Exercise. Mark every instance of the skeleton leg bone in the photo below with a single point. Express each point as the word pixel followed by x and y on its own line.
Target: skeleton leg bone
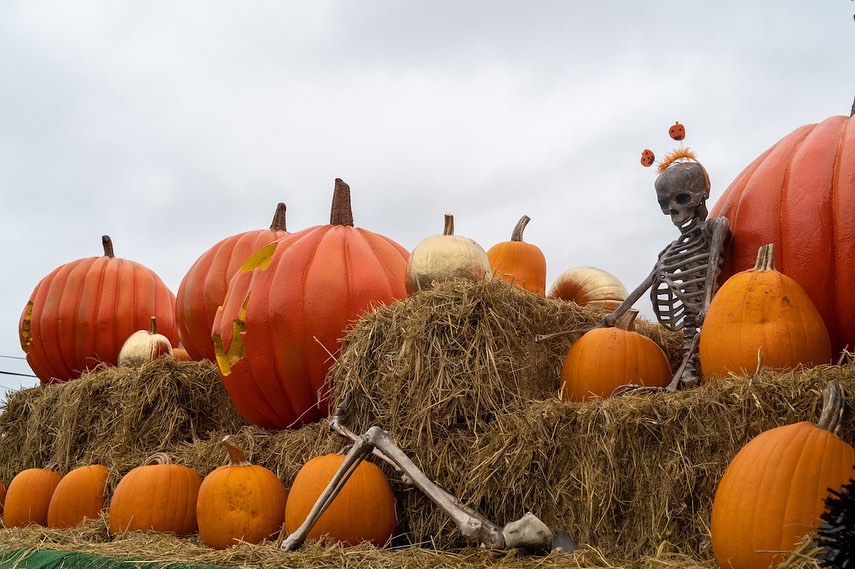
pixel 528 532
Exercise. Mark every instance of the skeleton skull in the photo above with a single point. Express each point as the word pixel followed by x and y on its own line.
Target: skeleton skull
pixel 682 190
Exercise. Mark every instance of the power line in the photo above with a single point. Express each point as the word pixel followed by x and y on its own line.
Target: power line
pixel 16 373
pixel 13 357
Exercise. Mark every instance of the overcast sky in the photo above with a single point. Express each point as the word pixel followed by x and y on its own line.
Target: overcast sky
pixel 170 125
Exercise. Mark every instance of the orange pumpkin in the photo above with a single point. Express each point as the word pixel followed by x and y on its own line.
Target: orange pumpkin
pixel 647 157
pixel 606 359
pixel 518 262
pixel 770 314
pixel 79 495
pixel 157 496
pixel 181 354
pixel 240 501
pixel 203 288
pixel 800 195
pixel 773 491
pixel 589 286
pixel 28 497
pixel 677 131
pixel 289 305
pixel 364 510
pixel 144 346
pixel 82 312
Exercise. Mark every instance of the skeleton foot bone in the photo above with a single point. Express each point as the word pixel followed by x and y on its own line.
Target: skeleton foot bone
pixel 528 532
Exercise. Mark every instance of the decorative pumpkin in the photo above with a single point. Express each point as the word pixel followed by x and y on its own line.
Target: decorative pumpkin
pixel 28 497
pixel 589 286
pixel 144 346
pixel 769 313
pixel 82 312
pixel 677 131
pixel 364 510
pixel 180 354
pixel 157 496
pixel 240 501
pixel 289 305
pixel 606 359
pixel 773 491
pixel 79 495
pixel 519 263
pixel 446 256
pixel 203 288
pixel 800 195
pixel 647 158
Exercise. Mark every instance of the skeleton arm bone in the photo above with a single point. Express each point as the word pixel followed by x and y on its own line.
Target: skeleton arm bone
pixel 631 299
pixel 719 235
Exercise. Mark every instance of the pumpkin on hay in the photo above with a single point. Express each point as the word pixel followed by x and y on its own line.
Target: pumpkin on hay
pixel 519 263
pixel 446 256
pixel 364 509
pixel 773 491
pixel 144 346
pixel 240 501
pixel 288 306
pixel 606 359
pixel 761 313
pixel 800 195
pixel 589 286
pixel 156 496
pixel 79 495
pixel 204 286
pixel 82 312
pixel 28 497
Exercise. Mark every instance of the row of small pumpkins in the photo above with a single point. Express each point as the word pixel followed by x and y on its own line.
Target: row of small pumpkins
pixel 235 502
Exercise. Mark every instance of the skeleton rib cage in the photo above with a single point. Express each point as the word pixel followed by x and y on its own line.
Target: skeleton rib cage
pixel 679 280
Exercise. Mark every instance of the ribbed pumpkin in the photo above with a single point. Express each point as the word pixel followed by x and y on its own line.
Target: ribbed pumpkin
pixel 773 491
pixel 79 495
pixel 446 256
pixel 605 359
pixel 157 496
pixel 519 263
pixel 589 286
pixel 144 346
pixel 761 310
pixel 800 195
pixel 289 305
pixel 82 312
pixel 364 510
pixel 204 286
pixel 28 497
pixel 240 501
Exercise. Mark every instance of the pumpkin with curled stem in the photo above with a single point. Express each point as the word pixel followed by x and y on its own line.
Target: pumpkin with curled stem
pixel 519 263
pixel 589 286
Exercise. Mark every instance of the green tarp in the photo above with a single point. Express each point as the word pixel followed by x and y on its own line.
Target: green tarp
pixel 53 559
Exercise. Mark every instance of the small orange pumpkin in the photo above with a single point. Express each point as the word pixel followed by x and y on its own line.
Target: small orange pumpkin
pixel 240 501
pixel 180 354
pixel 518 262
pixel 79 495
pixel 364 510
pixel 157 496
pixel 605 359
pixel 28 497
pixel 769 313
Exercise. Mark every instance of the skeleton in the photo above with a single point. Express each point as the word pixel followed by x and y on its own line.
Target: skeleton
pixel 528 532
pixel 684 279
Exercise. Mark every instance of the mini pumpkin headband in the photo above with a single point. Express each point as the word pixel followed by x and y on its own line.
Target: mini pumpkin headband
pixel 678 133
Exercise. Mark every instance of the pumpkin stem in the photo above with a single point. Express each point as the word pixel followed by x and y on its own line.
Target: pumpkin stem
pixel 236 455
pixel 627 320
pixel 278 223
pixel 341 213
pixel 832 407
pixel 158 458
pixel 448 229
pixel 108 246
pixel 152 326
pixel 517 234
pixel 765 258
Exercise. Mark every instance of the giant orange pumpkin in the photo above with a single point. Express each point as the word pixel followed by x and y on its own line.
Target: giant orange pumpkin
pixel 79 495
pixel 774 489
pixel 520 263
pixel 800 195
pixel 287 308
pixel 82 312
pixel 28 497
pixel 203 288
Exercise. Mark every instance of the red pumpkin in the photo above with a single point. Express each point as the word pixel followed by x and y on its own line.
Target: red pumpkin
pixel 204 286
pixel 287 308
pixel 800 195
pixel 82 312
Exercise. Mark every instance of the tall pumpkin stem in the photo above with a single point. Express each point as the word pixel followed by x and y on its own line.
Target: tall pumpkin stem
pixel 108 246
pixel 278 223
pixel 517 234
pixel 236 455
pixel 448 228
pixel 341 212
pixel 152 326
pixel 832 407
pixel 765 258
pixel 627 320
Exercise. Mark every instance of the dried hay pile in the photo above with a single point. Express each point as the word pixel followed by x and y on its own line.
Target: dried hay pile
pixel 456 378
